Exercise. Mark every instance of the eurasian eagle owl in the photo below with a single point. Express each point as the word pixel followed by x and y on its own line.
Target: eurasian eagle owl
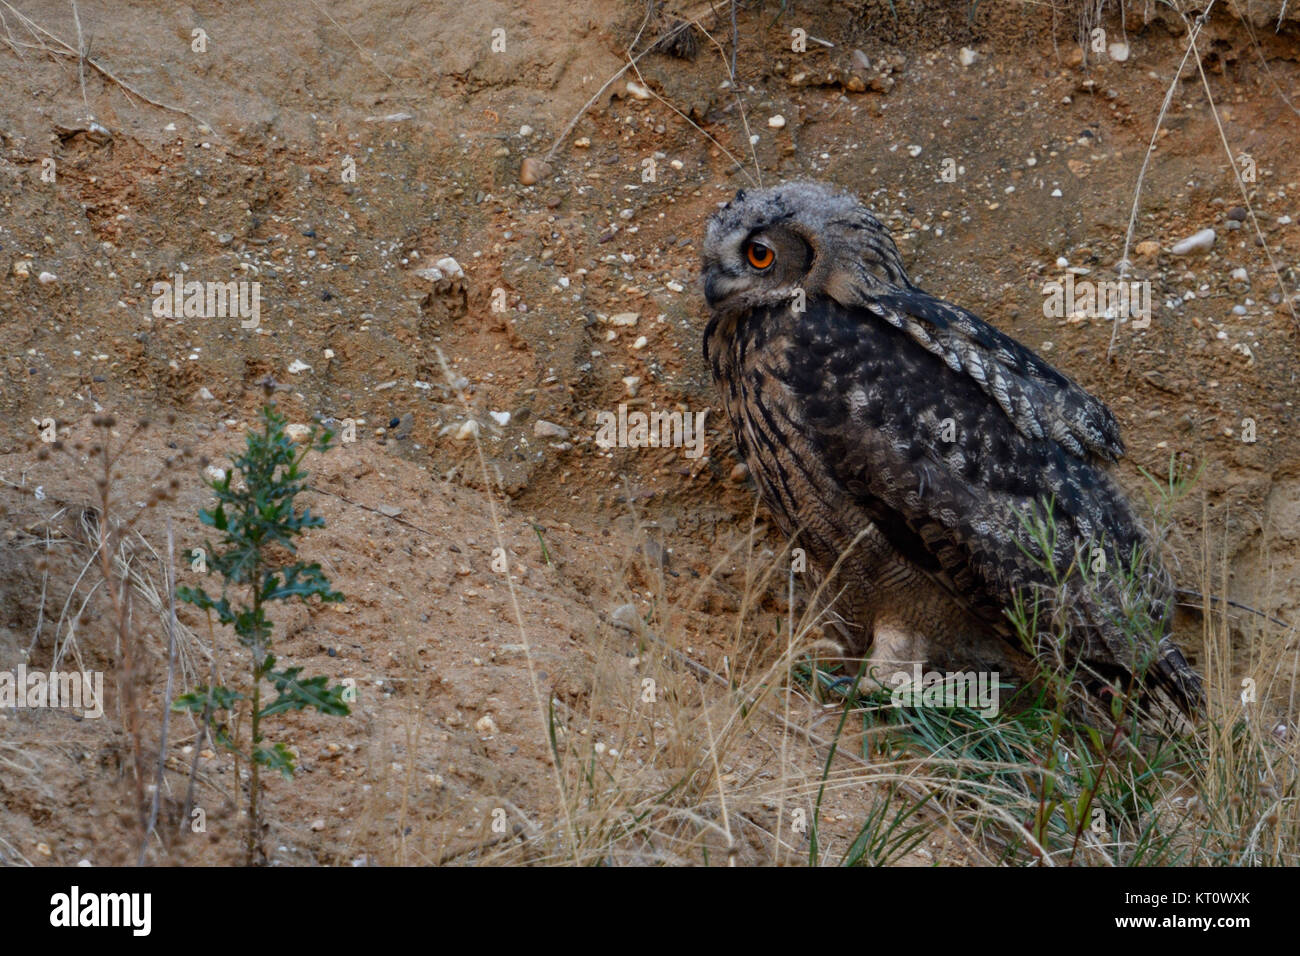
pixel 935 470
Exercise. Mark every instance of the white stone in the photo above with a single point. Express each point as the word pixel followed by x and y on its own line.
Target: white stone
pixel 1196 242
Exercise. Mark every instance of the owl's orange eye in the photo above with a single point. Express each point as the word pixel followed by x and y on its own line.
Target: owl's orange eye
pixel 759 255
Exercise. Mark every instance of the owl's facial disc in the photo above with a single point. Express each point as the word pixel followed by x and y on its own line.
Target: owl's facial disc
pixel 754 265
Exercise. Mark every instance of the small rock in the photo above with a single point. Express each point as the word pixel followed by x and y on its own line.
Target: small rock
pixel 389 511
pixel 640 343
pixel 637 91
pixel 533 171
pixel 632 383
pixel 486 725
pixel 626 618
pixel 298 365
pixel 47 278
pixel 623 319
pixel 967 56
pixel 1147 249
pixel 544 429
pixel 22 268
pixel 213 473
pixel 318 824
pixel 1237 214
pixel 501 418
pixel 1118 51
pixel 776 122
pixel 203 395
pixel 297 432
pixel 450 268
pixel 1197 242
pixel 1240 275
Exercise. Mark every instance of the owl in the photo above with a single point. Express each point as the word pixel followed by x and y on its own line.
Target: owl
pixel 939 476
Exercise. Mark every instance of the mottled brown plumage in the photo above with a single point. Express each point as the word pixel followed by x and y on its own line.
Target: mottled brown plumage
pixel 920 447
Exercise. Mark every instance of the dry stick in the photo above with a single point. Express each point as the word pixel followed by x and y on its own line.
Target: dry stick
pixel 170 577
pixel 203 735
pixel 586 106
pixel 81 57
pixel 1146 161
pixel 360 50
pixel 1254 221
pixel 632 65
pixel 67 50
pixel 717 776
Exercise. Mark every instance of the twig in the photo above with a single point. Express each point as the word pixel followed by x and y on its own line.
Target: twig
pixel 170 577
pixel 67 50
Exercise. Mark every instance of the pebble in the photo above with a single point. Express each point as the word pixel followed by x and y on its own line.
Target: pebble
pixel 204 395
pixel 640 343
pixel 1240 275
pixel 626 618
pixel 533 171
pixel 1147 248
pixel 623 319
pixel 298 365
pixel 467 430
pixel 389 511
pixel 450 268
pixel 776 122
pixel 637 91
pixel 213 473
pixel 967 56
pixel 501 418
pixel 46 278
pixel 1196 242
pixel 486 725
pixel 1237 214
pixel 1118 51
pixel 914 151
pixel 632 383
pixel 296 431
pixel 544 429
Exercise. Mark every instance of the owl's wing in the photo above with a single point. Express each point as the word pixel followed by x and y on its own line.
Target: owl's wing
pixel 955 448
pixel 1039 400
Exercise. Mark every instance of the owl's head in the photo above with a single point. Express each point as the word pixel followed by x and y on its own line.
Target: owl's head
pixel 766 244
